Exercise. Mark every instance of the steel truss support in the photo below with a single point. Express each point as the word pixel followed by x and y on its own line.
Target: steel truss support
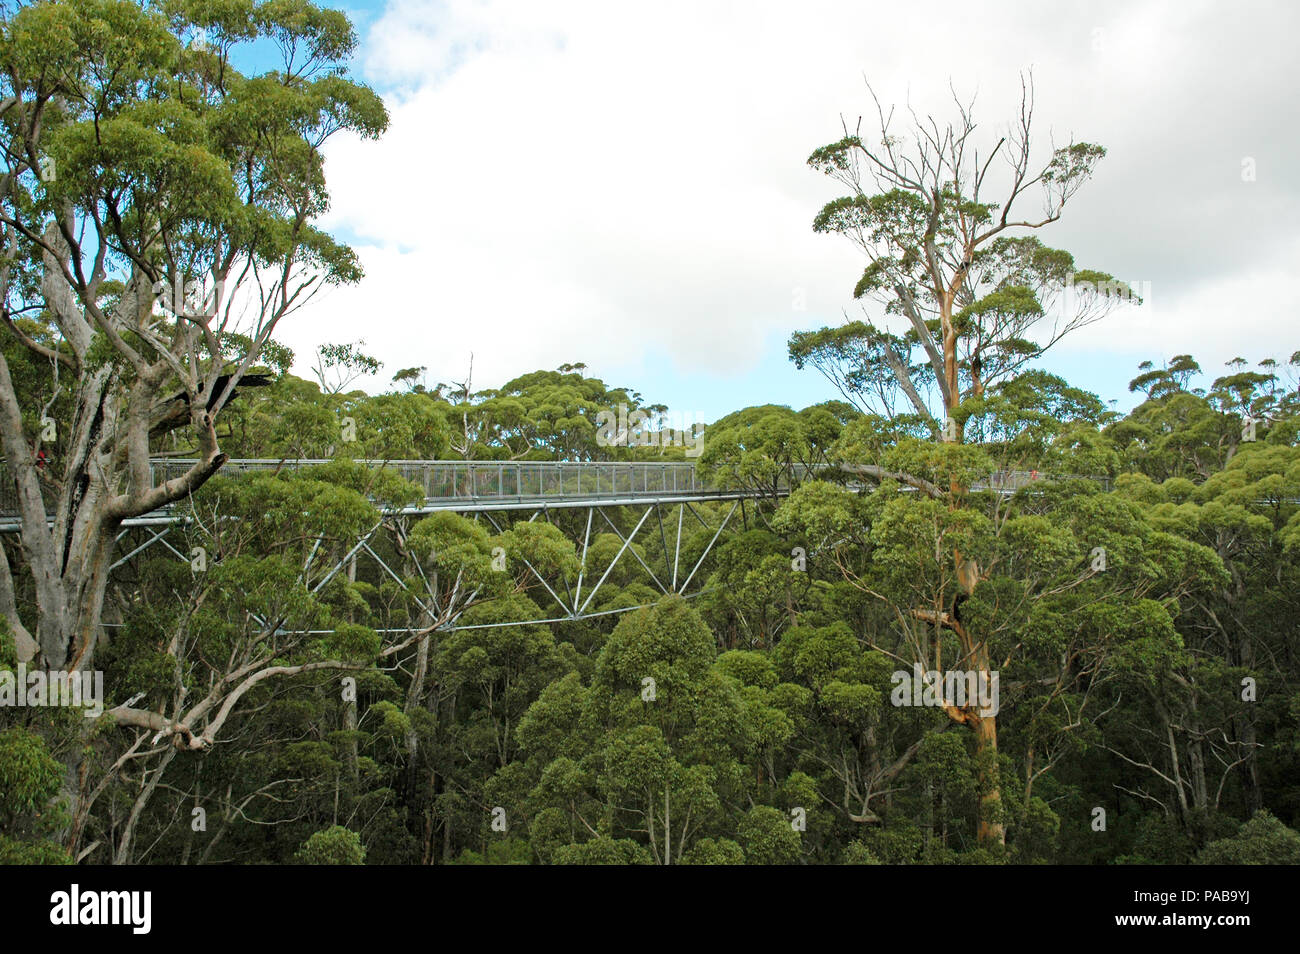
pixel 144 546
pixel 575 599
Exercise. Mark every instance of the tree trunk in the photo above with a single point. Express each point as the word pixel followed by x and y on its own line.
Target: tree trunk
pixel 991 828
pixel 350 750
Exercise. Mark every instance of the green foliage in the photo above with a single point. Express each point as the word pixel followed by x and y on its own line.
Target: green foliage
pixel 768 837
pixel 333 846
pixel 29 777
pixel 1261 841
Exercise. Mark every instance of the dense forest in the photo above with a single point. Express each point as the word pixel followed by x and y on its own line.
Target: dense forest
pixel 1121 690
pixel 273 692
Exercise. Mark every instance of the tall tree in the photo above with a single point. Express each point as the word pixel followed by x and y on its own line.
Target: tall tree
pixel 970 285
pixel 157 208
pixel 952 261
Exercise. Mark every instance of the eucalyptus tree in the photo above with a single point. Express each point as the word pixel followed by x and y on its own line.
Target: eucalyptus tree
pixel 770 448
pixel 648 754
pixel 338 365
pixel 157 207
pixel 545 415
pixel 952 258
pixel 1186 431
pixel 1195 747
pixel 950 252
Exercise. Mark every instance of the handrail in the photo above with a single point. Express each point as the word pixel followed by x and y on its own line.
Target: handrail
pixel 458 480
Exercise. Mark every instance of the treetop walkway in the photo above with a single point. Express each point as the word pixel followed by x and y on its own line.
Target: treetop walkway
pixel 477 486
pixel 483 489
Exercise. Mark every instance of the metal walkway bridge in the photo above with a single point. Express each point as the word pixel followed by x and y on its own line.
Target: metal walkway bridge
pixel 480 486
pixel 617 497
pixel 499 492
pixel 475 486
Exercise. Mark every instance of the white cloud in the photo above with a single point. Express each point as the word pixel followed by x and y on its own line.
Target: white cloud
pixel 625 185
pixel 1216 320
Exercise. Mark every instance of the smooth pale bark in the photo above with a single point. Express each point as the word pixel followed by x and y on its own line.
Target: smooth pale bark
pixel 122 855
pixel 983 726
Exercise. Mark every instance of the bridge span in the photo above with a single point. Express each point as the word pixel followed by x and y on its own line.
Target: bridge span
pixel 499 492
pixel 478 486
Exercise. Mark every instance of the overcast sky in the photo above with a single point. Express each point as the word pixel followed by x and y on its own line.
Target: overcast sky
pixel 624 184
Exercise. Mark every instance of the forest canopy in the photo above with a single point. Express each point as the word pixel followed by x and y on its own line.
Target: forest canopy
pixel 964 611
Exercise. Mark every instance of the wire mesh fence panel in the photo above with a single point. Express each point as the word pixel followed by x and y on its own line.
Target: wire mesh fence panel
pixel 8 494
pixel 458 480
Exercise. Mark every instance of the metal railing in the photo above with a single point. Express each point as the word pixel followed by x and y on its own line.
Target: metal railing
pixel 475 479
pixel 460 480
pixel 1006 481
